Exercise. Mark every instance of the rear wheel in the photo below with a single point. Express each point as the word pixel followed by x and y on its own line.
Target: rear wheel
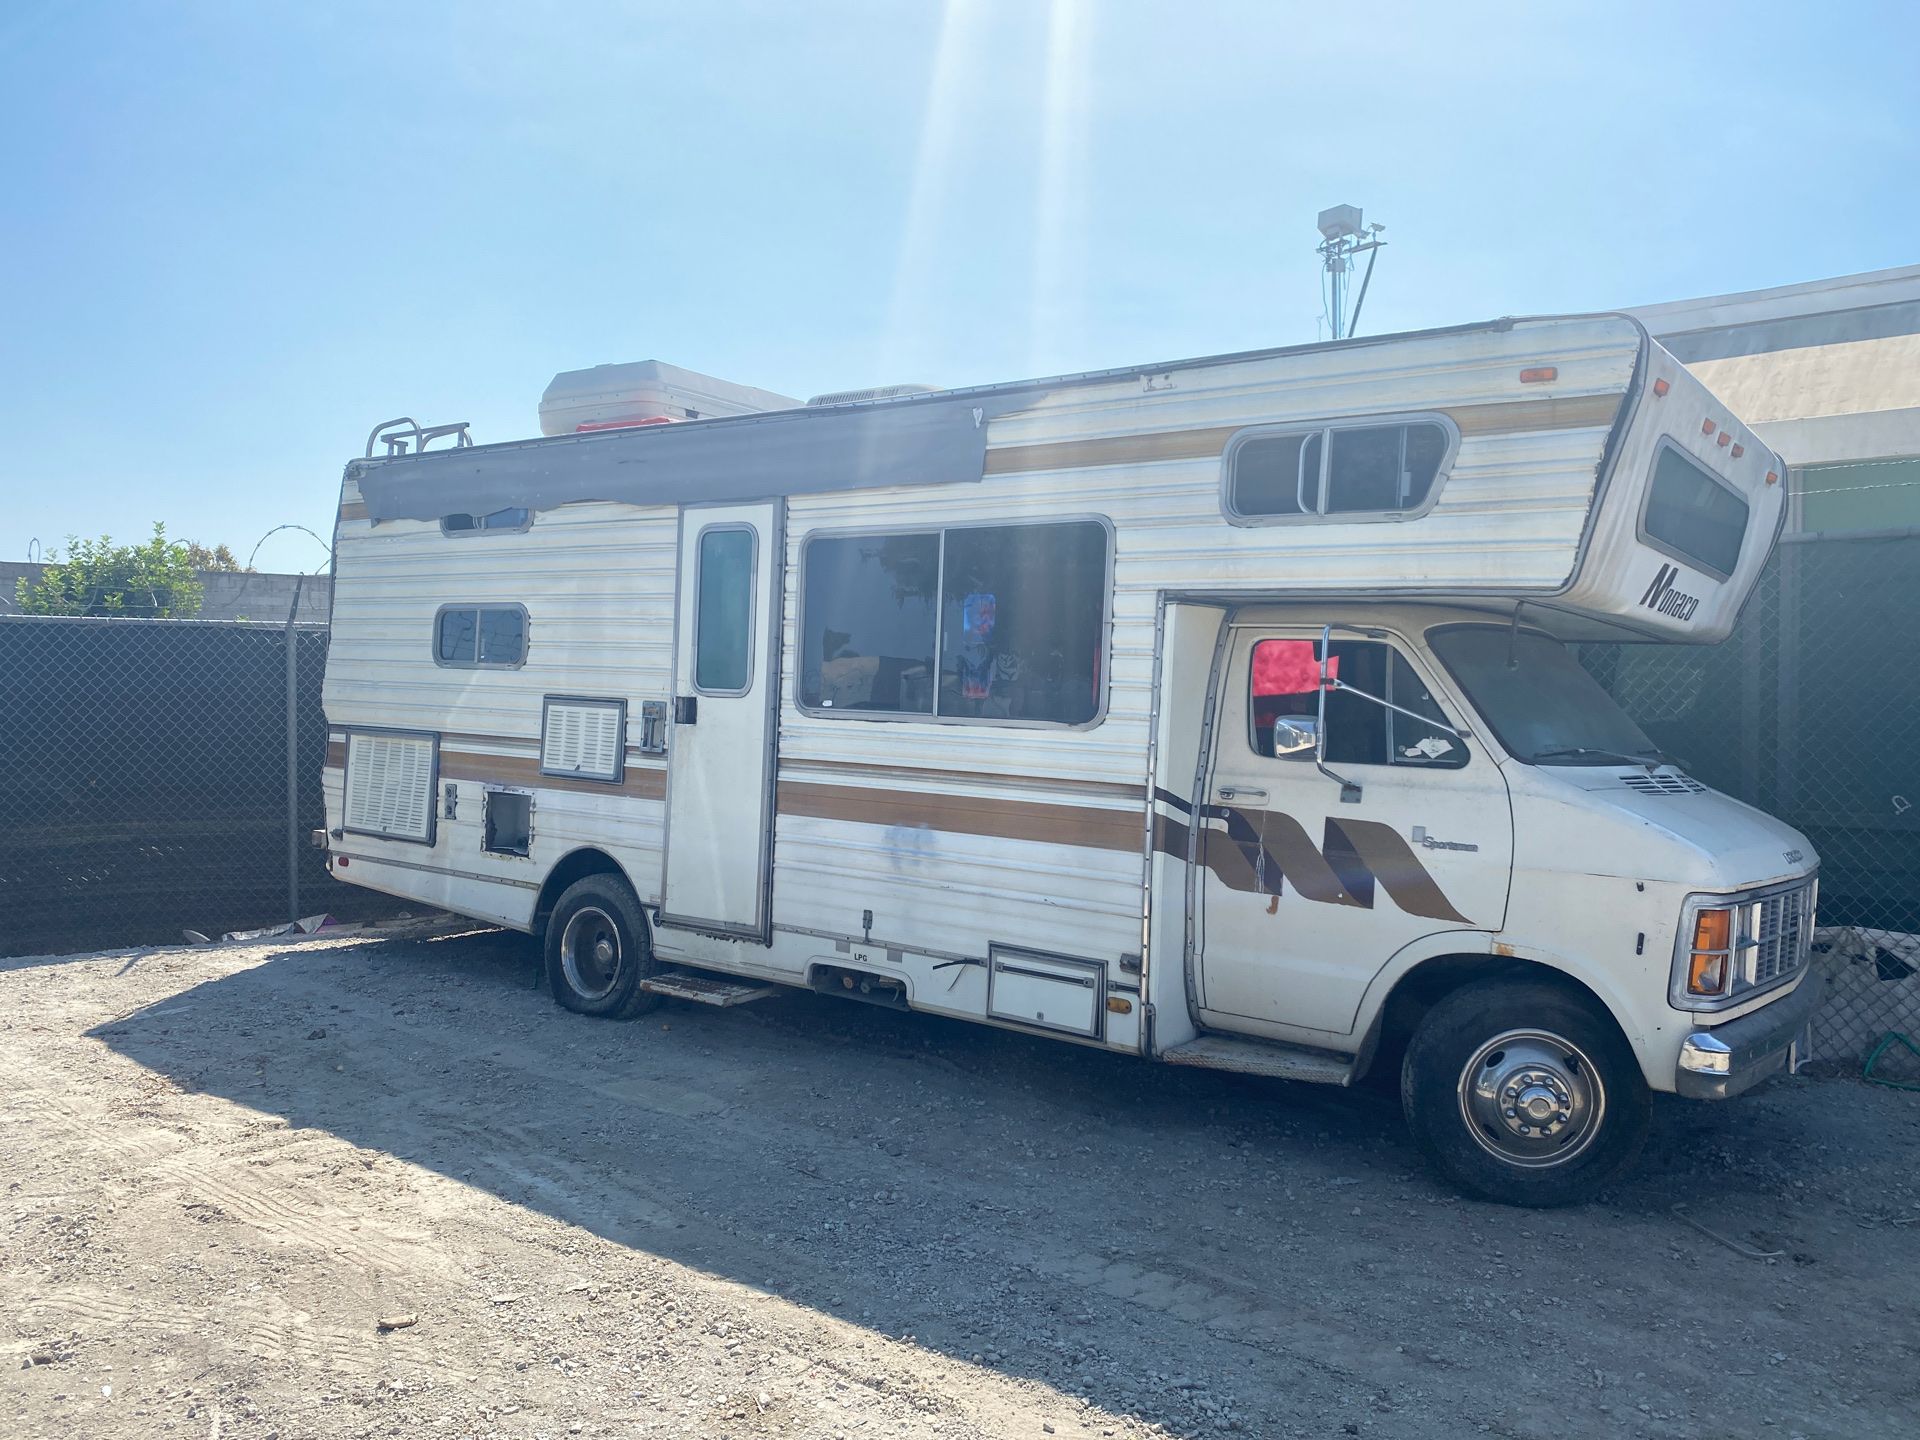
pixel 1524 1092
pixel 599 949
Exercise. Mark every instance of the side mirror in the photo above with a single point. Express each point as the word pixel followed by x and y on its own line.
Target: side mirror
pixel 1296 735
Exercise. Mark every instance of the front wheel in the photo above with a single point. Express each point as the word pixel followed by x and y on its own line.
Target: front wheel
pixel 599 950
pixel 1524 1093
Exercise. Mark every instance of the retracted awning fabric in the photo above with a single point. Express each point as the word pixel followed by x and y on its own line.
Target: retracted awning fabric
pixel 932 441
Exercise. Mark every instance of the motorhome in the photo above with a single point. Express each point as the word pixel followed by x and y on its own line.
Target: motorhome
pixel 1218 712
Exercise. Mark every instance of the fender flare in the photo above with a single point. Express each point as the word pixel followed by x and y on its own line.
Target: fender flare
pixel 1604 987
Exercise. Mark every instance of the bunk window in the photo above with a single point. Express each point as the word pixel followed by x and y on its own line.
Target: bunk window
pixel 1692 515
pixel 480 636
pixel 723 613
pixel 513 518
pixel 1343 470
pixel 974 623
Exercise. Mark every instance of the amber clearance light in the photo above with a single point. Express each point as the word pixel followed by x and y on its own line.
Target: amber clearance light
pixel 1712 946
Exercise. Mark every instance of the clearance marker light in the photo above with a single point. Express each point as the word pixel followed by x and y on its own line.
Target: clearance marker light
pixel 1660 387
pixel 1707 427
pixel 1772 479
pixel 1726 437
pixel 1539 374
pixel 1738 451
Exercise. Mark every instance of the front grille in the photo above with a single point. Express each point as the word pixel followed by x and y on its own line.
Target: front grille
pixel 1675 784
pixel 1781 927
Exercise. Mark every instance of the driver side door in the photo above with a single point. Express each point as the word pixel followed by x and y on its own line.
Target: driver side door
pixel 1309 886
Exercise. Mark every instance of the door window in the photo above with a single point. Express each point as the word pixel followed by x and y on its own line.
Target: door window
pixel 1283 706
pixel 723 614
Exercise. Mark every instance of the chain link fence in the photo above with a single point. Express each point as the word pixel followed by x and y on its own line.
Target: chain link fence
pixel 160 776
pixel 1811 712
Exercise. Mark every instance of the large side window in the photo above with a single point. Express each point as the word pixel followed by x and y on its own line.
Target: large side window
pixel 989 622
pixel 1022 610
pixel 1283 706
pixel 867 623
pixel 723 614
pixel 1693 515
pixel 1344 469
pixel 485 636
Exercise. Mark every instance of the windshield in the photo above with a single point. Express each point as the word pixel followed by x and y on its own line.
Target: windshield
pixel 1541 705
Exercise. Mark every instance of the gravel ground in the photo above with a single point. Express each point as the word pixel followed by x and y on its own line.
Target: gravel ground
pixel 224 1167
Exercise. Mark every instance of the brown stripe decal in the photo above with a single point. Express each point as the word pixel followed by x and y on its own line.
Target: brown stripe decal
pixel 1043 823
pixel 523 772
pixel 1503 417
pixel 1111 450
pixel 1380 849
pixel 1260 852
pixel 353 510
pixel 1507 417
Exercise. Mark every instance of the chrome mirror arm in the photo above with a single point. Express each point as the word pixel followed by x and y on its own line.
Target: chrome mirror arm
pixel 1349 792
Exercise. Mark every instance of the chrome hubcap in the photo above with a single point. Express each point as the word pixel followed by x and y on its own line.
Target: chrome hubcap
pixel 590 953
pixel 1532 1098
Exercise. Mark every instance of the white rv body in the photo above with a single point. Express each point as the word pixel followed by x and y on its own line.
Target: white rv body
pixel 1053 876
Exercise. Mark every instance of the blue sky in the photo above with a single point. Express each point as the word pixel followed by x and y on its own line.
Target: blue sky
pixel 236 234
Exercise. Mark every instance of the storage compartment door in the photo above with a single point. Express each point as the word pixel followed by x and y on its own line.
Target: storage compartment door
pixel 1048 991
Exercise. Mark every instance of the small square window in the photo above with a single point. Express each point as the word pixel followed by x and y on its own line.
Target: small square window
pixel 491 636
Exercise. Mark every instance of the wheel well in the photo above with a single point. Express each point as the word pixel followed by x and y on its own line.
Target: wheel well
pixel 576 865
pixel 1427 983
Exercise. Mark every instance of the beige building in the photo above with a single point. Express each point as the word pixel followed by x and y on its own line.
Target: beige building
pixel 1828 373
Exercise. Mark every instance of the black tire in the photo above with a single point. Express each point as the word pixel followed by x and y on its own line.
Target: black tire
pixel 599 950
pixel 1524 1092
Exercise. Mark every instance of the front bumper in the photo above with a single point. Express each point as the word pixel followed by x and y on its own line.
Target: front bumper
pixel 1720 1063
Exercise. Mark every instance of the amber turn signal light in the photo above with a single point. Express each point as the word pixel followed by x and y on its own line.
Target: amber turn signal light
pixel 1712 945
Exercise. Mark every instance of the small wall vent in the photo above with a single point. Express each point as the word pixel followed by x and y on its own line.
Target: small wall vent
pixel 583 739
pixel 389 785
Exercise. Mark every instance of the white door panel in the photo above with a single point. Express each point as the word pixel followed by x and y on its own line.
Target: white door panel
pixel 1304 895
pixel 721 749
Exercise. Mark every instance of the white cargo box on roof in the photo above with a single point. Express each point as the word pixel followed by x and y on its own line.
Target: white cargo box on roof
pixel 609 396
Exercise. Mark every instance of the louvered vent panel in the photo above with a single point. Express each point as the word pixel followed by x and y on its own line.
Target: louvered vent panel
pixel 1663 784
pixel 582 738
pixel 390 785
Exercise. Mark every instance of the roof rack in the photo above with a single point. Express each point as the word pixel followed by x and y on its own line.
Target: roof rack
pixel 398 434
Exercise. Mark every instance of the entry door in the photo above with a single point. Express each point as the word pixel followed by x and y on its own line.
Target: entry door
pixel 1304 895
pixel 720 756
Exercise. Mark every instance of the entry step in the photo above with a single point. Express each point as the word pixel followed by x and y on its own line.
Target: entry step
pixel 706 989
pixel 1262 1057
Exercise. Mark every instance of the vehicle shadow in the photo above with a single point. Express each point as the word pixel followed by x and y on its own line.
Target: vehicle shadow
pixel 1184 1247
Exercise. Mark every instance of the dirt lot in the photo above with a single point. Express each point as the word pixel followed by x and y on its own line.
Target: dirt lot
pixel 805 1218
